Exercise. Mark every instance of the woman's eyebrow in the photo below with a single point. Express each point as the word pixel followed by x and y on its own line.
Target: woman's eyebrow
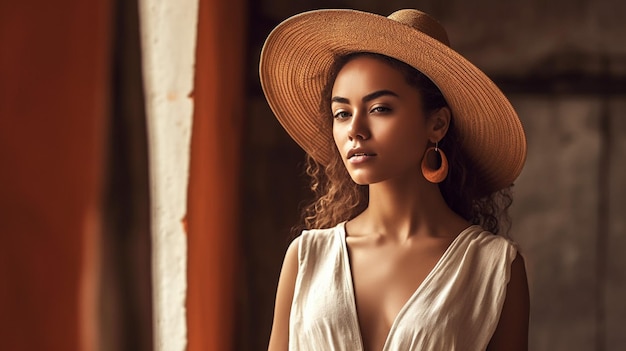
pixel 377 94
pixel 366 98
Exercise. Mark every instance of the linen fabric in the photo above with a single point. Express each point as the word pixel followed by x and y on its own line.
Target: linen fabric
pixel 457 306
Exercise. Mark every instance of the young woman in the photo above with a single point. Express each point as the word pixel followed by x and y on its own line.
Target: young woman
pixel 412 151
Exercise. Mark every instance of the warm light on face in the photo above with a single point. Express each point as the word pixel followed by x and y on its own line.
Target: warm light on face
pixel 379 126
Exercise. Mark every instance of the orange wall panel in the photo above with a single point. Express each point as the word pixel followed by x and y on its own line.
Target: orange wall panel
pixel 213 185
pixel 53 96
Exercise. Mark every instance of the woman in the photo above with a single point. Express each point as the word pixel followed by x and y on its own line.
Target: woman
pixel 412 151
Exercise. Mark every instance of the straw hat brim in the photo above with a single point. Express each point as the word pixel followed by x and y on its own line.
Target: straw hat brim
pixel 295 66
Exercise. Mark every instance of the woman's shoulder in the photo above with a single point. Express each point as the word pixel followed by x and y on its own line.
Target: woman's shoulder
pixel 486 246
pixel 479 235
pixel 321 239
pixel 323 233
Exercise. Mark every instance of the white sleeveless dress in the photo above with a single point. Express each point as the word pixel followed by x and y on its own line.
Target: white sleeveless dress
pixel 457 306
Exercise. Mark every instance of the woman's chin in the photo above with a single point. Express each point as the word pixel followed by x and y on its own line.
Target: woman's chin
pixel 361 179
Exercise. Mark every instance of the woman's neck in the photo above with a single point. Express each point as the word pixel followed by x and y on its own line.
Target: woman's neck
pixel 407 209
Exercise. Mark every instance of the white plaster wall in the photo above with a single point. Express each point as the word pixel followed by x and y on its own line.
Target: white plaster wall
pixel 168 34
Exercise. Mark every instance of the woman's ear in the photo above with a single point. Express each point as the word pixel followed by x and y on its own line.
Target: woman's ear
pixel 438 123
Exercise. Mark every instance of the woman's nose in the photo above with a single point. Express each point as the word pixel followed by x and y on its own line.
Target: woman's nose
pixel 358 128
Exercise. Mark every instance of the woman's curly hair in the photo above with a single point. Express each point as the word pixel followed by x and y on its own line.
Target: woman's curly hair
pixel 338 198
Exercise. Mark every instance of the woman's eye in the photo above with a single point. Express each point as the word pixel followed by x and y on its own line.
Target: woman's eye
pixel 341 114
pixel 380 109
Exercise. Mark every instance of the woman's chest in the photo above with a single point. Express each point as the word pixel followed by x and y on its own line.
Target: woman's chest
pixel 384 281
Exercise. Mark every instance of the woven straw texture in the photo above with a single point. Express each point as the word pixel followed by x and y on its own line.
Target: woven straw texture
pixel 298 53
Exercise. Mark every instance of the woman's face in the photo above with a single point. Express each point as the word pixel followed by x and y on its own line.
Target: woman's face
pixel 379 125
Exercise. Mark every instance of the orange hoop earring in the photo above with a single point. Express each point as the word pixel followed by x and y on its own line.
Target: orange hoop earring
pixel 435 175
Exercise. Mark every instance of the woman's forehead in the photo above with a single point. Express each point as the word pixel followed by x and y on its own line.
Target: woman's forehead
pixel 365 73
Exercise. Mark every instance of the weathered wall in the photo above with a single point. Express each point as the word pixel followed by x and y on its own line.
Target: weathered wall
pixel 563 65
pixel 168 46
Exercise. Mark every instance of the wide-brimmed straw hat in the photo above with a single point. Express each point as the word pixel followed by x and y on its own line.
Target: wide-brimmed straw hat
pixel 298 55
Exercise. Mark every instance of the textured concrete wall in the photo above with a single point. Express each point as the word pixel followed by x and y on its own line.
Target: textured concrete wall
pixel 563 64
pixel 555 218
pixel 614 260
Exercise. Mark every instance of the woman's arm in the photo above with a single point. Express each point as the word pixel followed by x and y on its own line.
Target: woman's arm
pixel 512 331
pixel 279 339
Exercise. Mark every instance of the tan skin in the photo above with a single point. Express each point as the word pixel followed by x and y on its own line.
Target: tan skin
pixel 407 226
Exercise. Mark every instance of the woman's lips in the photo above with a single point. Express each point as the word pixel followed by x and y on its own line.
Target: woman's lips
pixel 360 157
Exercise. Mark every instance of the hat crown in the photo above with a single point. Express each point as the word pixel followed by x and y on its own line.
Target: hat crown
pixel 422 22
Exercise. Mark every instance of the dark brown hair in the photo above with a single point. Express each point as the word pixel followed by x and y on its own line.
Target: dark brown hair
pixel 338 198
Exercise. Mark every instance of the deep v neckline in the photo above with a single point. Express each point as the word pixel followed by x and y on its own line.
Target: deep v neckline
pixel 350 283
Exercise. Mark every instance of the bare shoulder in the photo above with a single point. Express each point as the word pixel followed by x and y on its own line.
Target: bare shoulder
pixel 279 338
pixel 291 256
pixel 512 331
